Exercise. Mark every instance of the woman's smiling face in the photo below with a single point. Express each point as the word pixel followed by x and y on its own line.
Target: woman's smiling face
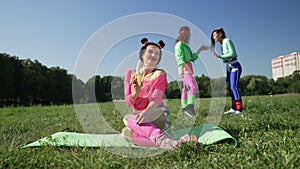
pixel 151 56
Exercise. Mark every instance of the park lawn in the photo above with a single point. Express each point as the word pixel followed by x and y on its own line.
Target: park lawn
pixel 268 137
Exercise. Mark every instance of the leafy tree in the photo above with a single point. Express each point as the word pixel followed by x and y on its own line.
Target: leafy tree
pixel 98 89
pixel 258 85
pixel 281 85
pixel 203 85
pixel 218 87
pixel 254 85
pixel 89 89
pixel 244 81
pixel 6 78
pixel 106 85
pixel 294 87
pixel 29 82
pixel 17 81
pixel 117 88
pixel 61 85
pixel 35 80
pixel 173 90
pixel 78 90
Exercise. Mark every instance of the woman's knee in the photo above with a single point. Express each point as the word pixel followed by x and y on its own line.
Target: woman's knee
pixel 193 88
pixel 233 87
pixel 126 118
pixel 127 133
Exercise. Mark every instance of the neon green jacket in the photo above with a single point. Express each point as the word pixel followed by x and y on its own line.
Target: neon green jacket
pixel 183 53
pixel 228 50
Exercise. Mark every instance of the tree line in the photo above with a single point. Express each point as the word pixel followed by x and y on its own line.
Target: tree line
pixel 27 82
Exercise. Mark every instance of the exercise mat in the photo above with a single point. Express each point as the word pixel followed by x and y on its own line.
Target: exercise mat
pixel 207 134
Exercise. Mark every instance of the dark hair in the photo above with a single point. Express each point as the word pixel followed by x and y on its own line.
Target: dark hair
pixel 160 44
pixel 219 30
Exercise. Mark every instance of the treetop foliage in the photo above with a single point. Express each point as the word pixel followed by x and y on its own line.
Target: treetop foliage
pixel 26 82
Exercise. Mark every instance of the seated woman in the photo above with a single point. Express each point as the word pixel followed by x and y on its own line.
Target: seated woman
pixel 144 90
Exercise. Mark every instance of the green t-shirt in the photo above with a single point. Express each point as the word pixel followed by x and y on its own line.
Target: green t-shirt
pixel 183 53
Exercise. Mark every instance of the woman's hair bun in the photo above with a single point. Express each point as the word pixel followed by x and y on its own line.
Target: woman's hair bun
pixel 161 44
pixel 144 40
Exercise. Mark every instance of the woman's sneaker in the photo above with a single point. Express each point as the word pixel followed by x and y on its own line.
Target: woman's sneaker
pixel 190 138
pixel 230 111
pixel 189 110
pixel 237 113
pixel 166 143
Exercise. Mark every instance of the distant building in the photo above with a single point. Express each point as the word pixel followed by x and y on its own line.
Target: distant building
pixel 283 66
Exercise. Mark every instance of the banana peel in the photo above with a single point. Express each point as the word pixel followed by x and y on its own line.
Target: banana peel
pixel 136 77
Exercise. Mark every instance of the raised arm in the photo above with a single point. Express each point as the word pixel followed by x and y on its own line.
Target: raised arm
pixel 129 100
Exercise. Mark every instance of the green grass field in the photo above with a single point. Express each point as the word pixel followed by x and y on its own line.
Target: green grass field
pixel 268 137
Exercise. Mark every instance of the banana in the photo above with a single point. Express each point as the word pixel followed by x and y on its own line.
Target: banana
pixel 138 77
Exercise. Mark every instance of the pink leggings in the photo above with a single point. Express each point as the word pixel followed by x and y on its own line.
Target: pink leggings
pixel 190 86
pixel 145 134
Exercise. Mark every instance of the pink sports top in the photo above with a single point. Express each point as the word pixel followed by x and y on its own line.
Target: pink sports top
pixel 151 90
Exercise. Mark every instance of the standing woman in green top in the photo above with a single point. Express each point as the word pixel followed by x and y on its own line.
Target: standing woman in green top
pixel 234 68
pixel 184 57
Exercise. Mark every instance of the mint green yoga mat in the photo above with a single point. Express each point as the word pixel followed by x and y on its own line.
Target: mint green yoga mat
pixel 207 134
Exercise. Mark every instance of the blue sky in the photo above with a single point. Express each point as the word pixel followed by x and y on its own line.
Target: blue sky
pixel 56 32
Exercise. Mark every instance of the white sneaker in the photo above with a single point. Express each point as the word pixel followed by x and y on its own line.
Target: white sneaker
pixel 231 110
pixel 237 113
